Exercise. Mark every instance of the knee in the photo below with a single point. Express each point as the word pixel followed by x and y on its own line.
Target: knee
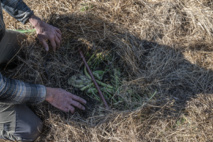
pixel 23 124
pixel 34 131
pixel 30 132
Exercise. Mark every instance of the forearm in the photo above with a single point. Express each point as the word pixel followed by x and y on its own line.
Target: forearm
pixel 18 92
pixel 18 9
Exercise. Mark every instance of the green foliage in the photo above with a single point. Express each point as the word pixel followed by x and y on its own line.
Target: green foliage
pixel 99 74
pixel 79 81
pixel 25 31
pixel 86 7
pixel 109 78
pixel 116 75
pixel 181 121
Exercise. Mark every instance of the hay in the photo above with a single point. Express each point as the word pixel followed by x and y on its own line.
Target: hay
pixel 160 46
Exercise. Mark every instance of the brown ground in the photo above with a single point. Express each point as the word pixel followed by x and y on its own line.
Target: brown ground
pixel 160 46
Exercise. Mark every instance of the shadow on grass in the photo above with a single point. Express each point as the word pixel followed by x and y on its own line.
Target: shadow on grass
pixel 146 65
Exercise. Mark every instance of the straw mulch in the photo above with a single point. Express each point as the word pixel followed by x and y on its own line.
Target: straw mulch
pixel 162 47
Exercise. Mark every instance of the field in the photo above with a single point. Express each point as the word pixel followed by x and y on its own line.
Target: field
pixel 153 56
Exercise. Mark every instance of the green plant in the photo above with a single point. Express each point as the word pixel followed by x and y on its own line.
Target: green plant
pixel 25 31
pixel 86 7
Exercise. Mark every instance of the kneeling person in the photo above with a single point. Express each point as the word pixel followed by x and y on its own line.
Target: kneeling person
pixel 17 121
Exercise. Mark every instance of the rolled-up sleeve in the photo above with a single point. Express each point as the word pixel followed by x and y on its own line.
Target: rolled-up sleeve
pixel 18 9
pixel 18 92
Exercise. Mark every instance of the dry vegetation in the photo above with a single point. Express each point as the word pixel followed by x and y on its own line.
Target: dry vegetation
pixel 159 46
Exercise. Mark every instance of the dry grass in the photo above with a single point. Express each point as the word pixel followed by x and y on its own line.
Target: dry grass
pixel 160 46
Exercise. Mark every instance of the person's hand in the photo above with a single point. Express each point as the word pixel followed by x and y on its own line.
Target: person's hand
pixel 46 32
pixel 64 100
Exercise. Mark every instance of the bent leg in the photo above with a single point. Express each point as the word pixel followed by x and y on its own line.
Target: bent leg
pixel 19 123
pixel 10 45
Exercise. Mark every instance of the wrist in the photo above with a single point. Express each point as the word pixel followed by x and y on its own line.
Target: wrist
pixel 35 21
pixel 49 94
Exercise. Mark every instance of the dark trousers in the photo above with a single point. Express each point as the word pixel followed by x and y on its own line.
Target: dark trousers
pixel 17 121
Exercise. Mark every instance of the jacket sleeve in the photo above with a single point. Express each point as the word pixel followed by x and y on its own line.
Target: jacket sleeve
pixel 17 92
pixel 18 9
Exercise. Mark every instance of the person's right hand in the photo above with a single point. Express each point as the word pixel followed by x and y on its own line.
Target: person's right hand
pixel 46 32
pixel 64 100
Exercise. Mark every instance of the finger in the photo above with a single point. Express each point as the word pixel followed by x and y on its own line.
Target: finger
pixel 59 36
pixel 45 45
pixel 71 109
pixel 59 31
pixel 57 42
pixel 65 109
pixel 52 41
pixel 79 99
pixel 77 104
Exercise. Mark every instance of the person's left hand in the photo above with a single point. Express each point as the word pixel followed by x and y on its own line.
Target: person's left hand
pixel 46 32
